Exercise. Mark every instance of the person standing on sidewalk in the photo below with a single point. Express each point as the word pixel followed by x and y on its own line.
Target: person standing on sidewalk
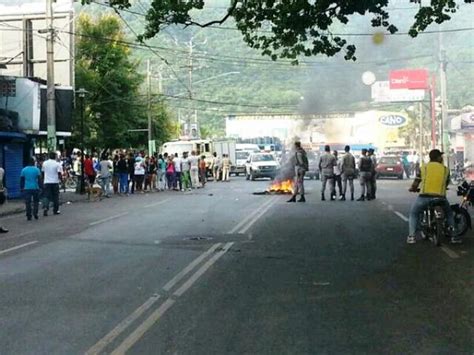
pixel 185 167
pixel 226 163
pixel 30 181
pixel 203 170
pixel 301 166
pixel 89 169
pixel 365 167
pixel 161 172
pixel 104 174
pixel 131 173
pixel 178 184
pixel 52 175
pixel 194 163
pixel 327 162
pixel 348 168
pixel 122 171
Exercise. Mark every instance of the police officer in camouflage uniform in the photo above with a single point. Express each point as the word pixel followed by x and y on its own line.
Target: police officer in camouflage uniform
pixel 300 163
pixel 327 162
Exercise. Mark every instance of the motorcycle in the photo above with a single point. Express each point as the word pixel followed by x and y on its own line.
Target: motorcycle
pixel 462 218
pixel 433 221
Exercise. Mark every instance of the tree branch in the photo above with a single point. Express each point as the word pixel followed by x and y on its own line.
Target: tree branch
pixel 215 22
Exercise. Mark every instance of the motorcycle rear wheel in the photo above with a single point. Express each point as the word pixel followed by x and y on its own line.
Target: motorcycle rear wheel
pixel 439 232
pixel 461 224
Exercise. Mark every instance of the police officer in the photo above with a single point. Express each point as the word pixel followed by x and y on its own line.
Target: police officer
pixel 365 175
pixel 300 163
pixel 373 177
pixel 348 167
pixel 327 162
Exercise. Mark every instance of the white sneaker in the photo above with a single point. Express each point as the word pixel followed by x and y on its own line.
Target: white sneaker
pixel 411 239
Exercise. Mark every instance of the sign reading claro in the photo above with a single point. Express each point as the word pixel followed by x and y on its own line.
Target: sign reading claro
pixel 392 120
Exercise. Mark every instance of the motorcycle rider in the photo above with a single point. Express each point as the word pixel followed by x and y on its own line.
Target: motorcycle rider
pixel 432 182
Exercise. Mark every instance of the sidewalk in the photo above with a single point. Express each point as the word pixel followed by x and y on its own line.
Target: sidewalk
pixel 18 205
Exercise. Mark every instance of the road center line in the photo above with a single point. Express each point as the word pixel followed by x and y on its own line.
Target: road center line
pixel 246 219
pixel 157 203
pixel 143 328
pixel 451 253
pixel 258 216
pixel 108 219
pixel 18 247
pixel 403 217
pixel 190 267
pixel 119 329
pixel 202 270
pixel 138 333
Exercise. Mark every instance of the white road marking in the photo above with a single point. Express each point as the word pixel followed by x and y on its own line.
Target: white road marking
pixel 258 216
pixel 108 219
pixel 16 236
pixel 190 267
pixel 401 216
pixel 250 216
pixel 18 247
pixel 451 253
pixel 138 333
pixel 158 203
pixel 202 270
pixel 143 328
pixel 120 328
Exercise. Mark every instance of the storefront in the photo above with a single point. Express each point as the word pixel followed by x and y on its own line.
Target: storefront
pixel 13 147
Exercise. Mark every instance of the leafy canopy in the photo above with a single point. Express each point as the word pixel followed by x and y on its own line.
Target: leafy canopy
pixel 115 103
pixel 290 28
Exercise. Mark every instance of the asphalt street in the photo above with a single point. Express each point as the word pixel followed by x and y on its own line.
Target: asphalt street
pixel 222 271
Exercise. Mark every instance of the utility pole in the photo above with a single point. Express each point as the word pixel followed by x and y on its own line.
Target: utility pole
pixel 151 149
pixel 444 97
pixel 50 92
pixel 420 109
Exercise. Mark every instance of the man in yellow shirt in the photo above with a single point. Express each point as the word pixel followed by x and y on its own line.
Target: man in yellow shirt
pixel 432 181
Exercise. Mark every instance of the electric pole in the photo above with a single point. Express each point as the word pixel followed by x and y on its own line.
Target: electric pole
pixel 151 149
pixel 50 92
pixel 444 98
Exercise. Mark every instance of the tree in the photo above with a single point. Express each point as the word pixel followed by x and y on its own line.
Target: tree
pixel 290 28
pixel 104 67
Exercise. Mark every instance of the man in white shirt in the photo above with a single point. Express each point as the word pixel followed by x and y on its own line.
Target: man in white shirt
pixel 194 162
pixel 52 175
pixel 178 184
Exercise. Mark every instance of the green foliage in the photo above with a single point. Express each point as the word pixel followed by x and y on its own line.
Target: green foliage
pixel 114 104
pixel 289 29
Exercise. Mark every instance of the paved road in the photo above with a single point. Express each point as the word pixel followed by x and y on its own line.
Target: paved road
pixel 223 271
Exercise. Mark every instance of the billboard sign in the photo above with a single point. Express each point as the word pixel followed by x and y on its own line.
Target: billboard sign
pixel 381 92
pixel 392 120
pixel 410 79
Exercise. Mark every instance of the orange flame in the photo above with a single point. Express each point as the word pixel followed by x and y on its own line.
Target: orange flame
pixel 285 186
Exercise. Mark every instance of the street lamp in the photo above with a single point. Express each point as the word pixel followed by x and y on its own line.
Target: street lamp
pixel 81 93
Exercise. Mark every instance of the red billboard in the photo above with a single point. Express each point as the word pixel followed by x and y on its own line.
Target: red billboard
pixel 409 79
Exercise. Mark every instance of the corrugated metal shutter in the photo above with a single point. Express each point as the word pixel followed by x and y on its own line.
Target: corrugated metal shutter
pixel 13 154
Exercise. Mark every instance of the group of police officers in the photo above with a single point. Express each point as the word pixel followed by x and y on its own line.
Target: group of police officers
pixel 431 181
pixel 338 172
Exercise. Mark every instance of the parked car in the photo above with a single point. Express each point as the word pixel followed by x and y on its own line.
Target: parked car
pixel 389 166
pixel 260 165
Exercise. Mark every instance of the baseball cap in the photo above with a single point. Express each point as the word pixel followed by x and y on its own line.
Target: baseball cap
pixel 435 153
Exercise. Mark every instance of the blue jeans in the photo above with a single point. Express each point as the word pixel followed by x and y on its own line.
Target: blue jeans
pixel 420 204
pixel 123 180
pixel 105 185
pixel 28 196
